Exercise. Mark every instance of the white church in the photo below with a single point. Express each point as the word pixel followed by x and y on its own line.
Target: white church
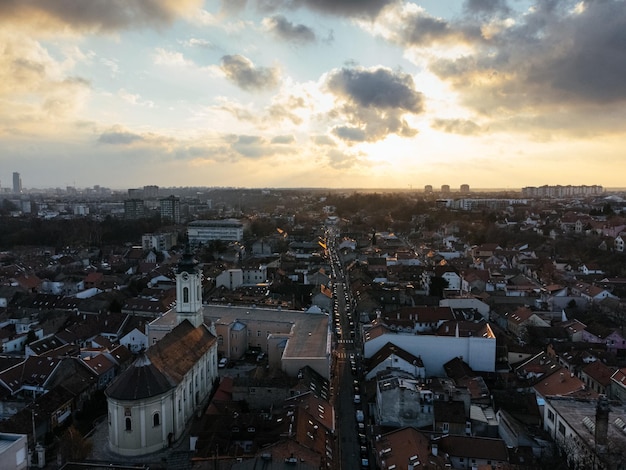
pixel 151 403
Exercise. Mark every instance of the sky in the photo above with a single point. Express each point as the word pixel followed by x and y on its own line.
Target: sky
pixel 312 93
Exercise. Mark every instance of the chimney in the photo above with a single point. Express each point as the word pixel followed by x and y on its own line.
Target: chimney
pixel 602 424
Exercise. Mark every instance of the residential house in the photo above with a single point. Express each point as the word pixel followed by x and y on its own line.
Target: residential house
pixel 597 377
pixel 451 417
pixel 522 317
pixel 402 400
pixel 612 338
pixel 561 383
pixel 101 367
pixel 323 298
pixel 31 377
pixel 473 341
pixel 135 340
pixel 591 293
pixel 394 357
pixel 617 388
pixel 451 276
pixel 406 448
pixel 474 452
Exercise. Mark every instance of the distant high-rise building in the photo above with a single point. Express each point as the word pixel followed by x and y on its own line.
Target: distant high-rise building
pixel 151 192
pixel 135 193
pixel 17 183
pixel 428 188
pixel 562 191
pixel 465 188
pixel 170 209
pixel 445 188
pixel 134 209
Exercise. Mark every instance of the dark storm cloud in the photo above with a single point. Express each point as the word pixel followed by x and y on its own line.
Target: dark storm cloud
pixel 284 29
pixel 378 88
pixel 244 74
pixel 457 126
pixel 373 102
pixel 560 53
pixel 106 15
pixel 355 8
pixel 119 137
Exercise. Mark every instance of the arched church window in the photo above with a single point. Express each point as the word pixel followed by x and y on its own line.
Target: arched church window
pixel 129 424
pixel 156 419
pixel 185 294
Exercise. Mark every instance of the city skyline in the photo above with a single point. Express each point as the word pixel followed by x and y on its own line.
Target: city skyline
pixel 303 93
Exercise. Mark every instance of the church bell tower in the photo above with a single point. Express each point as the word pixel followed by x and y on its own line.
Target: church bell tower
pixel 189 291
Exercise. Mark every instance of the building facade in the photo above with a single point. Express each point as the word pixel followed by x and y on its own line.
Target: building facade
pixel 200 232
pixel 17 183
pixel 134 209
pixel 170 209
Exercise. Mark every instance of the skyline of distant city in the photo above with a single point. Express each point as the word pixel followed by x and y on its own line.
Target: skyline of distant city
pixel 427 188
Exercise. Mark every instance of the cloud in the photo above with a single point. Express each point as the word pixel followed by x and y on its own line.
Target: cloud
pixel 409 25
pixel 283 139
pixel 353 134
pixel 339 160
pixel 487 7
pixel 254 147
pixel 198 42
pixel 353 8
pixel 119 136
pixel 323 140
pixel 376 88
pixel 457 126
pixel 287 31
pixel 95 15
pixel 559 54
pixel 372 102
pixel 38 89
pixel 170 58
pixel 241 71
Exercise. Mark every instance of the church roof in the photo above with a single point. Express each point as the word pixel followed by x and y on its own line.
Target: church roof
pixel 141 380
pixel 164 365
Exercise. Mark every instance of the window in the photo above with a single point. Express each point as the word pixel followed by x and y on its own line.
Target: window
pixel 156 419
pixel 550 415
pixel 562 428
pixel 445 427
pixel 129 425
pixel 185 294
